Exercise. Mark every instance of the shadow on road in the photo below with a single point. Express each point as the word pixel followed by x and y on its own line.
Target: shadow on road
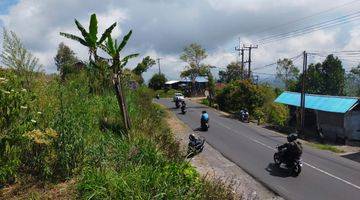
pixel 353 156
pixel 277 171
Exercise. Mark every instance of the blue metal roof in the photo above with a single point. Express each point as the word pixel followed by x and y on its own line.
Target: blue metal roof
pixel 319 102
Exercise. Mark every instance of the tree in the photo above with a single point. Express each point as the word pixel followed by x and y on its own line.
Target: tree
pixel 65 60
pixel 90 38
pixel 353 82
pixel 143 66
pixel 233 72
pixel 327 78
pixel 113 49
pixel 313 81
pixel 157 82
pixel 194 54
pixel 333 76
pixel 286 72
pixel 14 55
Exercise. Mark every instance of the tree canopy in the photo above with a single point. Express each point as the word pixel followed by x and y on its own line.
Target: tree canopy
pixel 65 60
pixel 233 72
pixel 327 78
pixel 157 82
pixel 143 66
pixel 286 72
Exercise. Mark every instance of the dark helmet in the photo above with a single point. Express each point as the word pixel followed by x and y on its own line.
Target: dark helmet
pixel 192 137
pixel 204 111
pixel 292 137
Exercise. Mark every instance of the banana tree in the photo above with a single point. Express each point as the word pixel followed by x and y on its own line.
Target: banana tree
pixel 90 38
pixel 113 48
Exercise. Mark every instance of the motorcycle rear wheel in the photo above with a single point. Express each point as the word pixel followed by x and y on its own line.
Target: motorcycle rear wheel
pixel 277 159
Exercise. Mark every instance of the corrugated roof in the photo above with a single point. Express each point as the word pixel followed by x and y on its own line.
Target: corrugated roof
pixel 199 79
pixel 171 82
pixel 319 102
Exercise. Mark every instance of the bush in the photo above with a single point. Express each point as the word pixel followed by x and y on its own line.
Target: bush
pixel 277 114
pixel 259 100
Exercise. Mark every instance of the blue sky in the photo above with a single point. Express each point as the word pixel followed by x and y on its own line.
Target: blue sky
pixel 5 5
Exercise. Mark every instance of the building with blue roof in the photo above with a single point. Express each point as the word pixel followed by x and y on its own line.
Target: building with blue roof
pixel 337 117
pixel 201 84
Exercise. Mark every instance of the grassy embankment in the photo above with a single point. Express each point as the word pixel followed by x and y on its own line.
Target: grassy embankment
pixel 57 132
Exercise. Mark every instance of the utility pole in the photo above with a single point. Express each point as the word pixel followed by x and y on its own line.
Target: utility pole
pixel 249 48
pixel 302 100
pixel 158 60
pixel 241 54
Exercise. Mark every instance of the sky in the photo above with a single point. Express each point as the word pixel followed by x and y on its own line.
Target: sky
pixel 162 28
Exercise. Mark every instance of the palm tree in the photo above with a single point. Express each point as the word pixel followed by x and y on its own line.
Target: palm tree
pixel 90 40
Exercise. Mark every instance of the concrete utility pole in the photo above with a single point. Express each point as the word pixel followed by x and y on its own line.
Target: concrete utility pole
pixel 241 54
pixel 249 48
pixel 302 100
pixel 158 60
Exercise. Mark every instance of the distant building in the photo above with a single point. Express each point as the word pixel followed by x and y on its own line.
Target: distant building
pixel 337 117
pixel 201 83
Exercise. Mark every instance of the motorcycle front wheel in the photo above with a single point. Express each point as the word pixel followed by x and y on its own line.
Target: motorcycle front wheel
pixel 296 170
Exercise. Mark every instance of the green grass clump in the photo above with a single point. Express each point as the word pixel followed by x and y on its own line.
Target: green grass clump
pixel 167 93
pixel 327 147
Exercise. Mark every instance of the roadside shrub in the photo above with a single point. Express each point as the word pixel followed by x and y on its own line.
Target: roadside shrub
pixel 258 99
pixel 277 114
pixel 238 95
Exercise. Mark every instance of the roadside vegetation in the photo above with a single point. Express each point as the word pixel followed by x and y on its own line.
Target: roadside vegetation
pixel 327 147
pixel 56 128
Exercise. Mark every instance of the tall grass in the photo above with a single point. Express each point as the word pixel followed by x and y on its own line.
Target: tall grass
pixel 80 134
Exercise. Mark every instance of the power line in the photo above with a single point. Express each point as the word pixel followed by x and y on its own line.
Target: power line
pixel 275 63
pixel 306 17
pixel 326 24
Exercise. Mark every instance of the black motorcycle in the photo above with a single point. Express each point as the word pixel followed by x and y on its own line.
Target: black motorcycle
pixel 244 116
pixel 183 109
pixel 177 104
pixel 204 124
pixel 158 96
pixel 294 165
pixel 195 146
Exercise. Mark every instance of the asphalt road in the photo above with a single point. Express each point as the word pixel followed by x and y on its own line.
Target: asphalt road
pixel 324 175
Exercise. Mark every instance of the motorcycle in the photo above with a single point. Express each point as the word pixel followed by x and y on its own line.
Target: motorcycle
pixel 195 146
pixel 177 104
pixel 183 109
pixel 158 96
pixel 204 125
pixel 294 165
pixel 244 116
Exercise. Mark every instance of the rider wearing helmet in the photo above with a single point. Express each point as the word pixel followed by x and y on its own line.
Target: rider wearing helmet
pixel 204 116
pixel 193 140
pixel 292 149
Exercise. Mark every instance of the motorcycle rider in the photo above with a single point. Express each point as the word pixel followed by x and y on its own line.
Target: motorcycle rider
pixel 291 150
pixel 183 105
pixel 193 141
pixel 204 118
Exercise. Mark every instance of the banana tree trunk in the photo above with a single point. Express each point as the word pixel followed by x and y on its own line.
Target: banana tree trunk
pixel 121 101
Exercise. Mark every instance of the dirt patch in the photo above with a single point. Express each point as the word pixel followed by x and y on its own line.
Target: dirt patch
pixel 34 190
pixel 213 164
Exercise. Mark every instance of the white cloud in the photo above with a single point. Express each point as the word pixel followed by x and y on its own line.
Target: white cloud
pixel 163 28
